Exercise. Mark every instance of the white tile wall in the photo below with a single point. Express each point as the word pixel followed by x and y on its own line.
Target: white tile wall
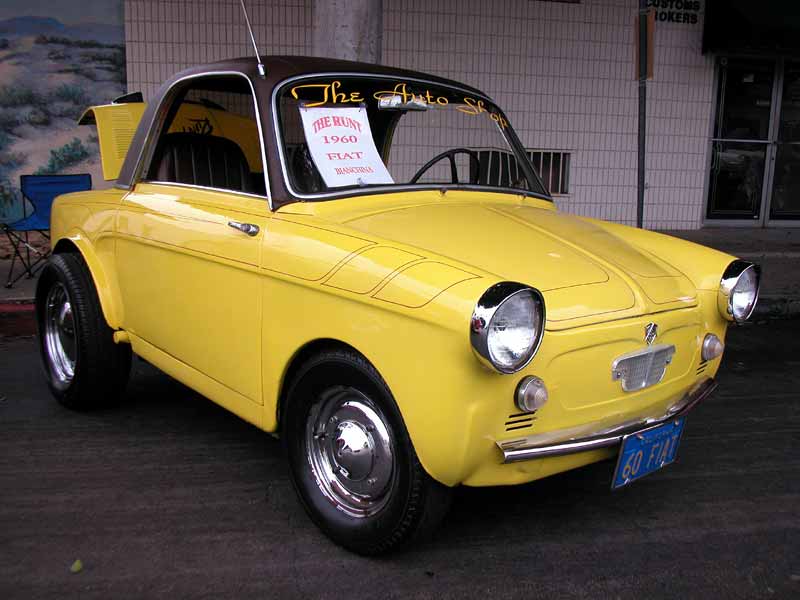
pixel 165 36
pixel 680 113
pixel 565 75
pixel 563 72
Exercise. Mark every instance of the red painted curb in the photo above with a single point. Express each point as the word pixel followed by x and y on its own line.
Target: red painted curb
pixel 17 319
pixel 17 307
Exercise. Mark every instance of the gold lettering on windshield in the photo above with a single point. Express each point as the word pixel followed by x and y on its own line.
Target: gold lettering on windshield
pixel 327 93
pixel 401 90
pixel 472 106
pixel 331 93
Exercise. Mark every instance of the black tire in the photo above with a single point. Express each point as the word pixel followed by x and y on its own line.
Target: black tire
pixel 100 368
pixel 412 503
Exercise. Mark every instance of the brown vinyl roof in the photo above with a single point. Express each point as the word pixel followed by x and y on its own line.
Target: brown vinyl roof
pixel 279 68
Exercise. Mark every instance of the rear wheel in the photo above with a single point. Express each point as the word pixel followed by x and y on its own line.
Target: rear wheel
pixel 351 459
pixel 84 367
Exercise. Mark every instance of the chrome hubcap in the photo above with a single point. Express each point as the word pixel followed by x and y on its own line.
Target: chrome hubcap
pixel 350 452
pixel 59 334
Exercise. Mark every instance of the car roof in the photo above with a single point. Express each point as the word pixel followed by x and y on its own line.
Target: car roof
pixel 278 69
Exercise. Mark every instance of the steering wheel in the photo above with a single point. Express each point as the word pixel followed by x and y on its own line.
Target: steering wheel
pixel 451 154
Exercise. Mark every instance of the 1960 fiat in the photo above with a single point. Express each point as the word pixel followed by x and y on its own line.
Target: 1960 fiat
pixel 363 261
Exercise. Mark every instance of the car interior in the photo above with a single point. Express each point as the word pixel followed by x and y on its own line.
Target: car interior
pixel 210 138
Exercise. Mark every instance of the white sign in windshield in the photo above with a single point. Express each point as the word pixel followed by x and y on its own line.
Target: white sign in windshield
pixel 341 146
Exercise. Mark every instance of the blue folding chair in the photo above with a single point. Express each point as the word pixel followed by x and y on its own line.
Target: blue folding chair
pixel 40 190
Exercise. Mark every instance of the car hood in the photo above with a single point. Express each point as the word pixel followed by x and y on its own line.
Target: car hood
pixel 582 270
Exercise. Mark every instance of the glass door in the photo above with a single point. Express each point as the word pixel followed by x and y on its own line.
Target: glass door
pixel 785 200
pixel 741 139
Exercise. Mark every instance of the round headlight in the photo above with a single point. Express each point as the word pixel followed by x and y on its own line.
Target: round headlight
pixel 507 326
pixel 738 290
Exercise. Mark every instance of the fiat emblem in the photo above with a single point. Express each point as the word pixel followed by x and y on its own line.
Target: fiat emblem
pixel 650 333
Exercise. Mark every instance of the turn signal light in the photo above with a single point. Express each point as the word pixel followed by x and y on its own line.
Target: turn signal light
pixel 712 347
pixel 531 394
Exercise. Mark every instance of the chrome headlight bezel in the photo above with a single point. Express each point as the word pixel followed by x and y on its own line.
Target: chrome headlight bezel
pixel 727 286
pixel 485 310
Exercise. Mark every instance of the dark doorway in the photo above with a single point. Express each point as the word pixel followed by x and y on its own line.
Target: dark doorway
pixel 755 147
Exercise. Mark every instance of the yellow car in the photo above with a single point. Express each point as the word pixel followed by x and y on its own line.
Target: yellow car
pixel 363 261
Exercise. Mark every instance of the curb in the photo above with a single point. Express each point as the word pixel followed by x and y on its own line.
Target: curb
pixel 17 319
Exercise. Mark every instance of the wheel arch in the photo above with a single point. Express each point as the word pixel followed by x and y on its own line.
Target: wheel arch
pixel 301 355
pixel 108 296
pixel 420 354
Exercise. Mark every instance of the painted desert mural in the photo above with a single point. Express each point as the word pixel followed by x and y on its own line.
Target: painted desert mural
pixel 51 68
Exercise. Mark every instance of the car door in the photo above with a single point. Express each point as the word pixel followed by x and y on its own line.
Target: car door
pixel 188 246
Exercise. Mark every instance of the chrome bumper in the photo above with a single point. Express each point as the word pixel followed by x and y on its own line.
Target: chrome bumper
pixel 583 439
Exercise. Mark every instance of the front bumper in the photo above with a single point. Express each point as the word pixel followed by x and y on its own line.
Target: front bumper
pixel 583 439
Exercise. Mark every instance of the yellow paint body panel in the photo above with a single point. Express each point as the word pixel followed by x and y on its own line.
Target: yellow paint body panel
pixel 201 303
pixel 365 271
pixel 396 276
pixel 308 251
pixel 420 283
pixel 86 220
pixel 116 124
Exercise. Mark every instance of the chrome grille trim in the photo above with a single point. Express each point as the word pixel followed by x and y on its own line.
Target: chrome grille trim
pixel 593 436
pixel 642 368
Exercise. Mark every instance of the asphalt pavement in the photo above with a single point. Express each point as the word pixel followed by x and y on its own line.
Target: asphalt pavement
pixel 168 495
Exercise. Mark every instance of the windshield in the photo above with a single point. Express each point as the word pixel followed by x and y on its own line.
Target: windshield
pixel 343 134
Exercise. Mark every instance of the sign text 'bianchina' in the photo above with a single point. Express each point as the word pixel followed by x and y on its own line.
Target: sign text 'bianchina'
pixel 340 142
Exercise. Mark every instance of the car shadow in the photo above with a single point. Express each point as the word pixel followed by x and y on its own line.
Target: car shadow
pixel 552 506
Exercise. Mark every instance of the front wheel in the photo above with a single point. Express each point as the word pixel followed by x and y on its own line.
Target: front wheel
pixel 351 459
pixel 84 367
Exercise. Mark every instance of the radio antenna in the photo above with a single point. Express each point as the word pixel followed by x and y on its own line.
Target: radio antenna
pixel 261 70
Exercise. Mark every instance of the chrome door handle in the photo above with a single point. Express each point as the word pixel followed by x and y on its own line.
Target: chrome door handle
pixel 250 229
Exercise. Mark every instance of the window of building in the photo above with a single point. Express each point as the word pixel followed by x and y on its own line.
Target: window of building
pixel 553 167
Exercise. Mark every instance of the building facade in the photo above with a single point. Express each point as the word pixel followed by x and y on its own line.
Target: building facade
pixel 719 121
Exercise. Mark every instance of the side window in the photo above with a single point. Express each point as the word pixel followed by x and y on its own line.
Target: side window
pixel 209 138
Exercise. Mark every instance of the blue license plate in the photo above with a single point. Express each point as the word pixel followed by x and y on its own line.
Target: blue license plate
pixel 647 451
